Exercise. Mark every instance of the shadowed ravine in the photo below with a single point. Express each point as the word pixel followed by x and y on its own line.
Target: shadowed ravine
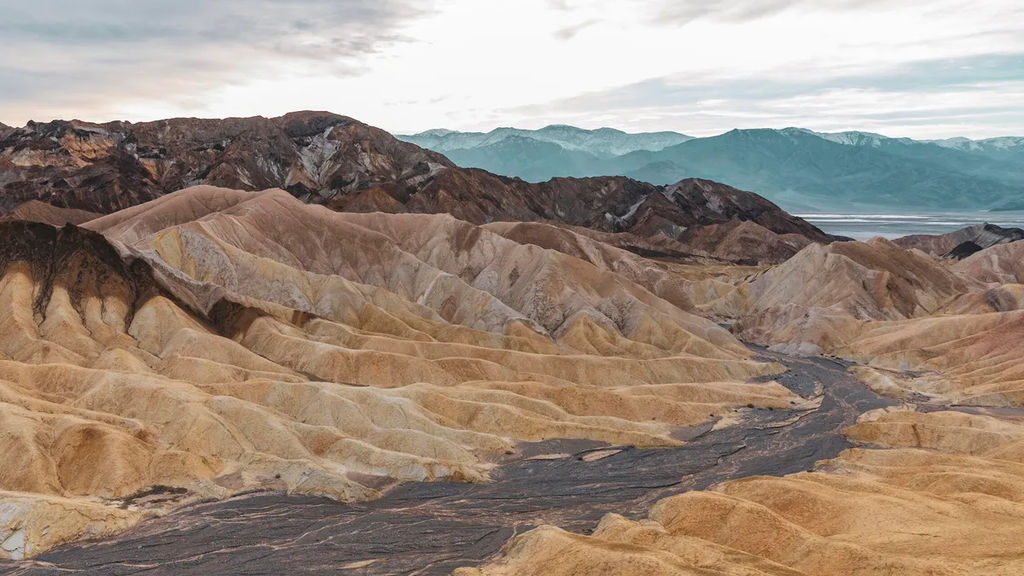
pixel 432 528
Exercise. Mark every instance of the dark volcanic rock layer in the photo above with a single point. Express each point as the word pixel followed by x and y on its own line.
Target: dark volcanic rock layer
pixel 107 167
pixel 80 261
pixel 330 159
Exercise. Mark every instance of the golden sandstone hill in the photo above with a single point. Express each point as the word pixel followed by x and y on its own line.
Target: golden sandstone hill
pixel 937 492
pixel 220 341
pixel 940 494
pixel 351 313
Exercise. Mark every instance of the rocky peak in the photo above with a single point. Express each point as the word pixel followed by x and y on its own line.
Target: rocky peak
pixel 326 158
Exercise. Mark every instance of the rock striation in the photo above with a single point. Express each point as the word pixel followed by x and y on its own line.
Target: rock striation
pixel 214 341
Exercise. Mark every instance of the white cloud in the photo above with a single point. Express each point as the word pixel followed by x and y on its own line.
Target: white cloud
pixel 476 64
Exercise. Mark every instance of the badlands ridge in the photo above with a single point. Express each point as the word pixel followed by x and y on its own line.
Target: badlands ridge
pixel 352 312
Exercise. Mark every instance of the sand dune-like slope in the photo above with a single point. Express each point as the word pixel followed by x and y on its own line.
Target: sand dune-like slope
pixel 937 492
pixel 652 275
pixel 960 358
pixel 942 494
pixel 970 239
pixel 744 241
pixel 214 341
pixel 36 211
pixel 947 330
pixel 1000 264
pixel 817 299
pixel 454 271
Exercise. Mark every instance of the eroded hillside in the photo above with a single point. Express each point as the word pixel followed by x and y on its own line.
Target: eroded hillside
pixel 216 341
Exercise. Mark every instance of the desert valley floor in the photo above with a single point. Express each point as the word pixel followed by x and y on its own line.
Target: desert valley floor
pixel 298 345
pixel 433 528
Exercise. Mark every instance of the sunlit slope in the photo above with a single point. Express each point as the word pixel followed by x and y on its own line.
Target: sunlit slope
pixel 217 341
pixel 941 494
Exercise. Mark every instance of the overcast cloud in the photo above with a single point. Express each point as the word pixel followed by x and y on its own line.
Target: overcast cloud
pixel 904 68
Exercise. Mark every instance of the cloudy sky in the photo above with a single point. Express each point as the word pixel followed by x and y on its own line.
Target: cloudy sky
pixel 933 68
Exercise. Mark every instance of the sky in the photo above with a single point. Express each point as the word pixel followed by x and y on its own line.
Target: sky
pixel 922 69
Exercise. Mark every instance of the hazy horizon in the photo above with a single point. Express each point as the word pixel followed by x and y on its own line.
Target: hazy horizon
pixel 526 126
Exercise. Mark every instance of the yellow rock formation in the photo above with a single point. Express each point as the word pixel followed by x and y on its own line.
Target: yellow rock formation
pixel 219 341
pixel 937 492
pixel 942 495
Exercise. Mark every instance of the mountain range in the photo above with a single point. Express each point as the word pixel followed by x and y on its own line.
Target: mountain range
pixel 333 160
pixel 799 169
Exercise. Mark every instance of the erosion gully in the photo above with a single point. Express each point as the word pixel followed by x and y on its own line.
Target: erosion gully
pixel 433 528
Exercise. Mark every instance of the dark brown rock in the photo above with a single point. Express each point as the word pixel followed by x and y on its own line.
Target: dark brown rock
pixel 325 158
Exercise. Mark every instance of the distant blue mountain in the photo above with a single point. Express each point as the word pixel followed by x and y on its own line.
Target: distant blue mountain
pixel 796 168
pixel 602 143
pixel 538 155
